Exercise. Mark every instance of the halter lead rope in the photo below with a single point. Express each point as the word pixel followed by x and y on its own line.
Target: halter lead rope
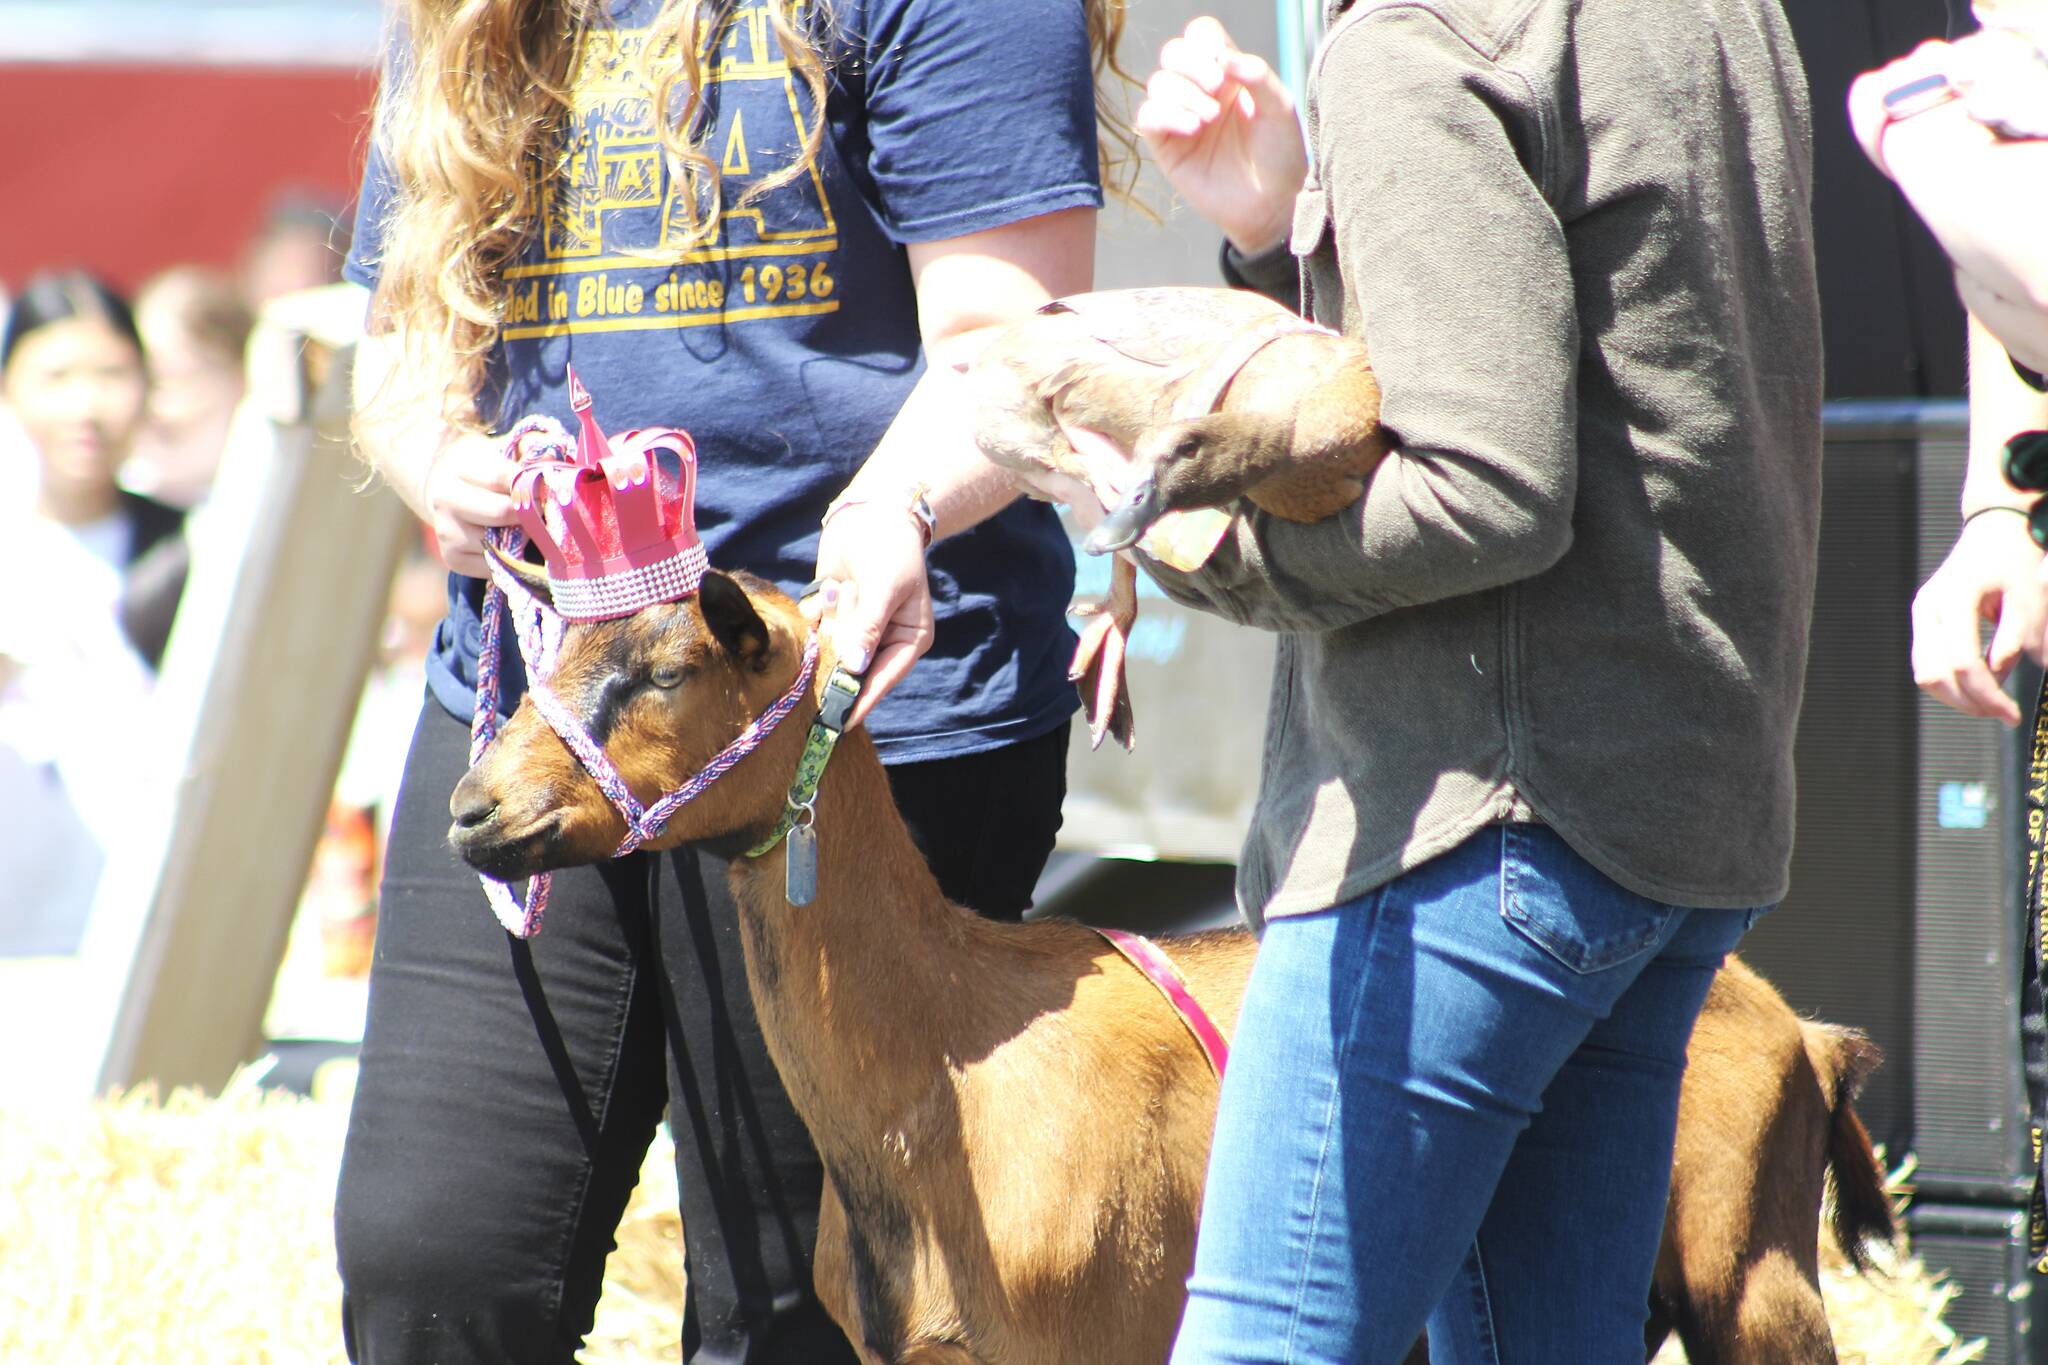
pixel 538 634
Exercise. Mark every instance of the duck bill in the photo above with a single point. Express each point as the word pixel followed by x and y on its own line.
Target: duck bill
pixel 1125 525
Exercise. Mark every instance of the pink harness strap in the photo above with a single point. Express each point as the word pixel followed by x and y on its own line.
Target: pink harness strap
pixel 1201 396
pixel 1148 958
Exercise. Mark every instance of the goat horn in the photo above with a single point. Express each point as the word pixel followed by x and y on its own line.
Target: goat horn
pixel 532 575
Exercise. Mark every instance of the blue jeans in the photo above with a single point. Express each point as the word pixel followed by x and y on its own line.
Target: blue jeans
pixel 1452 1102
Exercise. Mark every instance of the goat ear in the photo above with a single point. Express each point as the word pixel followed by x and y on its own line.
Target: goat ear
pixel 733 621
pixel 532 575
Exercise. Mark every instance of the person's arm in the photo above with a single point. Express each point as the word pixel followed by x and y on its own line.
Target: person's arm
pixel 1994 571
pixel 2021 327
pixel 1221 125
pixel 1983 196
pixel 459 483
pixel 1456 262
pixel 1985 199
pixel 982 160
pixel 871 553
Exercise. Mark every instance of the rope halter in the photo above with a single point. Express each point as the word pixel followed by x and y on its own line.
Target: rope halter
pixel 646 823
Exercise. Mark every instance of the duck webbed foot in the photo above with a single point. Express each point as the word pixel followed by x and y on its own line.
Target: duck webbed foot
pixel 1098 667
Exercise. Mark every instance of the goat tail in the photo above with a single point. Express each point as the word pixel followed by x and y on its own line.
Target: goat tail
pixel 1842 1058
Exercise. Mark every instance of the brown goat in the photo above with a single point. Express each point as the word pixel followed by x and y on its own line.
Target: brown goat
pixel 1015 1175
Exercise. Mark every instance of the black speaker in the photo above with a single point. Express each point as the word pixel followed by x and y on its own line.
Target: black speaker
pixel 1904 915
pixel 1983 1248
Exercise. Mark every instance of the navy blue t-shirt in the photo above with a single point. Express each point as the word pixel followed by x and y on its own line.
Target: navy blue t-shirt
pixel 787 343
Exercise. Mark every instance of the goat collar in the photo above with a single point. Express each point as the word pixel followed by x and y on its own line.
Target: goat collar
pixel 842 689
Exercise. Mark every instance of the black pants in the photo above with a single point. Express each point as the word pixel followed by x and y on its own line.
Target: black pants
pixel 509 1089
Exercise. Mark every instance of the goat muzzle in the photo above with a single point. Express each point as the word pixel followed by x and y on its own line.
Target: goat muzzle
pixel 483 837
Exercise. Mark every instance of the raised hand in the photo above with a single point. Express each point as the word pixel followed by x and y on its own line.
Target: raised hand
pixel 1222 127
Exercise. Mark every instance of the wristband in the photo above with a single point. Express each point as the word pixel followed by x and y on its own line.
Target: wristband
pixel 1995 507
pixel 1902 102
pixel 2036 516
pixel 921 510
pixel 918 506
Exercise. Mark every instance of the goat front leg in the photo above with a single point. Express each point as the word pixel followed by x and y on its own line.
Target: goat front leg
pixel 832 1274
pixel 1098 668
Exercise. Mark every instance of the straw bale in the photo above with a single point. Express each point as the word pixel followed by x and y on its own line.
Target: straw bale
pixel 186 1229
pixel 145 1230
pixel 183 1229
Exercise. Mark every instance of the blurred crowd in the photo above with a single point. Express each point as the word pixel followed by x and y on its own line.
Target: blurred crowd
pixel 114 413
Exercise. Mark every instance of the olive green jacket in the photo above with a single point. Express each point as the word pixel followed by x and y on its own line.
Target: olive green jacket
pixel 1577 240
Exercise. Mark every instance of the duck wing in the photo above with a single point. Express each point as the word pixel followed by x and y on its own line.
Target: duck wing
pixel 1172 327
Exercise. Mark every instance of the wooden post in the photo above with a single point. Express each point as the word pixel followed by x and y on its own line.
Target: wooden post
pixel 280 642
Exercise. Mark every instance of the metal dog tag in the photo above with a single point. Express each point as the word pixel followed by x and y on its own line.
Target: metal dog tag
pixel 800 879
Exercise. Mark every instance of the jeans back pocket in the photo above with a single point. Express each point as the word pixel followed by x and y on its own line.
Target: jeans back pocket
pixel 1569 908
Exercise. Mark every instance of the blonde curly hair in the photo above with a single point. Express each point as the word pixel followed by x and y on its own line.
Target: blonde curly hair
pixel 470 125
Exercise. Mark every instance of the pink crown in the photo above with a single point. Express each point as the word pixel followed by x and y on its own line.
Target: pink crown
pixel 615 521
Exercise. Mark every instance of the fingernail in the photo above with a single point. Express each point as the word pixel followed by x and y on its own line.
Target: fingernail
pixel 854 659
pixel 830 592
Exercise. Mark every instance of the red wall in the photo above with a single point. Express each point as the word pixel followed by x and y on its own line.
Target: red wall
pixel 126 169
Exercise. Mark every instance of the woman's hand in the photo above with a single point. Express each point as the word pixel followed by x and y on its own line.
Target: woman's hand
pixel 1993 573
pixel 459 484
pixel 466 491
pixel 873 551
pixel 1974 166
pixel 1995 76
pixel 1222 126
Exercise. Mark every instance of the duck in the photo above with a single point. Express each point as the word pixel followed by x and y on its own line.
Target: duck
pixel 1220 397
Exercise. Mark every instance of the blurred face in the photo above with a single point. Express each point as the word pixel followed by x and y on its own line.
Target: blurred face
pixel 288 261
pixel 194 387
pixel 77 387
pixel 193 384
